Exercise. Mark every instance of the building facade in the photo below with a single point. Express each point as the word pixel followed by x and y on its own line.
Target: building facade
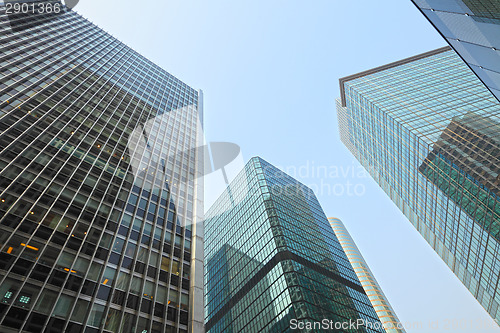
pixel 472 28
pixel 467 152
pixel 426 129
pixel 99 186
pixel 372 289
pixel 273 262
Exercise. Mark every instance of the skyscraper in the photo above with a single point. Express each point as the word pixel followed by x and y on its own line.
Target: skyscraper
pixel 380 303
pixel 472 28
pixel 99 187
pixel 273 262
pixel 427 131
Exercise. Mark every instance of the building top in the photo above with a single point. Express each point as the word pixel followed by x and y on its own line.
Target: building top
pixel 267 236
pixel 343 80
pixel 372 289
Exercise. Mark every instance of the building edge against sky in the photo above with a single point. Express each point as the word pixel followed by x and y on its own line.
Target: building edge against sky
pixel 197 242
pixel 472 28
pixel 380 303
pixel 100 184
pixel 395 118
pixel 271 258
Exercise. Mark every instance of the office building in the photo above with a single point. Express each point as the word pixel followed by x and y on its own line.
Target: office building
pixel 372 289
pixel 472 28
pixel 273 262
pixel 426 129
pixel 99 187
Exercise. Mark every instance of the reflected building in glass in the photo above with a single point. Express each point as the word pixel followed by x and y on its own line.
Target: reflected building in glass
pixel 372 289
pixel 465 164
pixel 427 130
pixel 99 186
pixel 472 28
pixel 272 259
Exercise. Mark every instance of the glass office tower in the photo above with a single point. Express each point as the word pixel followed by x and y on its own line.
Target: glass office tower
pixel 273 262
pixel 472 28
pixel 99 192
pixel 380 303
pixel 427 131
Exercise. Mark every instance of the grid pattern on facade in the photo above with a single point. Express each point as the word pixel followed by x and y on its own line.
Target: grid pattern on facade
pixel 467 156
pixel 484 8
pixel 393 119
pixel 472 28
pixel 97 185
pixel 271 256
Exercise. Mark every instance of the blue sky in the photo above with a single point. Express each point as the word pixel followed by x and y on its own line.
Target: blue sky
pixel 269 72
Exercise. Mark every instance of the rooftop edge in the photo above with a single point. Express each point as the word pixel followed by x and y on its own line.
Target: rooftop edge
pixel 343 80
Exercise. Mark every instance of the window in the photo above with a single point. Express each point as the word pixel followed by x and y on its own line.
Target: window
pixel 80 311
pixel 109 276
pixel 63 306
pixel 165 264
pixel 135 287
pixel 96 316
pixel 45 302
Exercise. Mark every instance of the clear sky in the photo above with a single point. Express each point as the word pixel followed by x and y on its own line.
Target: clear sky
pixel 269 71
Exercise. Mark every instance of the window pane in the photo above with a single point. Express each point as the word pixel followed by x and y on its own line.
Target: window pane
pixel 175 267
pixel 80 311
pixel 161 294
pixel 118 245
pixel 148 289
pixel 64 304
pixel 173 298
pixel 95 270
pixel 46 301
pixel 96 314
pixel 65 260
pixel 109 276
pixel 81 266
pixel 122 281
pixel 184 301
pixel 135 287
pixel 153 259
pixel 113 320
pixel 106 241
pixel 130 250
pixel 165 264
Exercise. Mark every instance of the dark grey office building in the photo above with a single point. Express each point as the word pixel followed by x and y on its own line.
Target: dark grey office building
pixel 99 187
pixel 274 264
pixel 472 28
